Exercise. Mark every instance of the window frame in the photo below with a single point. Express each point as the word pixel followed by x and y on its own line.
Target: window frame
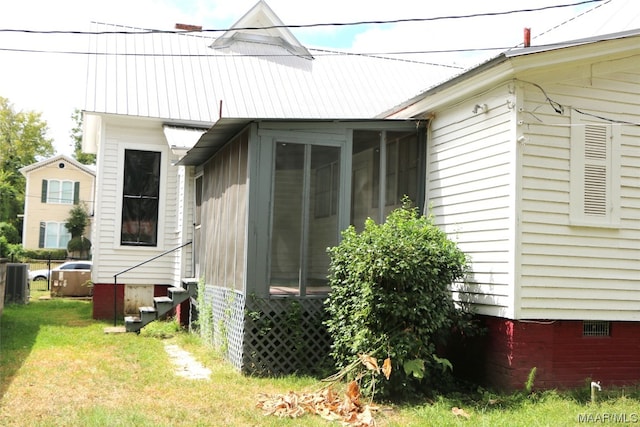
pixel 60 200
pixel 117 230
pixel 46 227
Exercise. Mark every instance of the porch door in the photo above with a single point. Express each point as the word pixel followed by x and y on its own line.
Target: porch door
pixel 304 218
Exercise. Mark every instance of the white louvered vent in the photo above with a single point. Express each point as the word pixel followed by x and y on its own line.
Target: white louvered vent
pixel 595 170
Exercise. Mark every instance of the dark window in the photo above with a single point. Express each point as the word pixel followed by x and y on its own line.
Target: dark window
pixel 140 198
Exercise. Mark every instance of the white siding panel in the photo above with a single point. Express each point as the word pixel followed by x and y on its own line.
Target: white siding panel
pixel 568 271
pixel 112 258
pixel 469 190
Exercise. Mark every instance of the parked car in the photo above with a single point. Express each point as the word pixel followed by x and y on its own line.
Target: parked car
pixel 69 265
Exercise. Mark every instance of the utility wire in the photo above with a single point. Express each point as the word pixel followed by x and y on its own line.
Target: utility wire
pixel 331 24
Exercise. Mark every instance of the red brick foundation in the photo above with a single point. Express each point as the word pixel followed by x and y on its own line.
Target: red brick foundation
pixel 103 301
pixel 562 356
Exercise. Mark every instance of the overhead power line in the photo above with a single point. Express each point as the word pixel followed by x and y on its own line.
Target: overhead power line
pixel 330 24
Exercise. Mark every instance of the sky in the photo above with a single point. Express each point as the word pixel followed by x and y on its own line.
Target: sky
pixel 53 84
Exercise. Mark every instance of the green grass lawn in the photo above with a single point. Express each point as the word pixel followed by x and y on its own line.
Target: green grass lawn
pixel 59 368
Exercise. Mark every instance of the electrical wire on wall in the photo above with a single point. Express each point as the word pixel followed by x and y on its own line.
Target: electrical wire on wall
pixel 560 109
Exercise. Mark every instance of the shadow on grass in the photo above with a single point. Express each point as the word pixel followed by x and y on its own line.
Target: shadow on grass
pixel 21 324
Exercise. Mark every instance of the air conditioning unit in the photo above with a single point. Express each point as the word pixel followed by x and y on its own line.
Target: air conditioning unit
pixel 17 284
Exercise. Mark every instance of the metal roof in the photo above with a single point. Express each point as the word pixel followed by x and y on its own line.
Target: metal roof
pixel 506 56
pixel 213 139
pixel 188 76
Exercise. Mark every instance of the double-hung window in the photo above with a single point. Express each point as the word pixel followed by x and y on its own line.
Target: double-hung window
pixel 53 235
pixel 60 191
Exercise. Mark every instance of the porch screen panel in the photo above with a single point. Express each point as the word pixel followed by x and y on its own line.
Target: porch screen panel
pixel 140 198
pixel 386 167
pixel 287 219
pixel 403 158
pixel 365 177
pixel 322 216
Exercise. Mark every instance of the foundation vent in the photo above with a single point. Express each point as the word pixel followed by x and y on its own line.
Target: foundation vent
pixel 595 328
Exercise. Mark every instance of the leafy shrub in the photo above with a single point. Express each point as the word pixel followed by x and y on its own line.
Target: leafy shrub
pixel 12 251
pixel 58 254
pixel 390 298
pixel 4 247
pixel 10 232
pixel 80 245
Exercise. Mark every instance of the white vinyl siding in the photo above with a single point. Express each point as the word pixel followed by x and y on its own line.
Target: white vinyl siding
pixel 112 256
pixel 580 227
pixel 470 192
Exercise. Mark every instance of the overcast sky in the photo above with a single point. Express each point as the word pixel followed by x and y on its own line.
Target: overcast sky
pixel 53 83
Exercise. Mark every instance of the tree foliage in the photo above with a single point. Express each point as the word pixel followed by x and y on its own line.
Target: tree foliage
pixel 77 220
pixel 76 135
pixel 22 141
pixel 76 224
pixel 391 298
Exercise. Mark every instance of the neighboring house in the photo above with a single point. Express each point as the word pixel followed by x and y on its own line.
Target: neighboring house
pixel 270 118
pixel 54 187
pixel 534 169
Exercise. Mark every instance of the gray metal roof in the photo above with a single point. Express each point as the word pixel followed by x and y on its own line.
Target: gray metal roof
pixel 182 77
pixel 505 56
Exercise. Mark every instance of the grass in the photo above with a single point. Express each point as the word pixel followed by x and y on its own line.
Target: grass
pixel 59 368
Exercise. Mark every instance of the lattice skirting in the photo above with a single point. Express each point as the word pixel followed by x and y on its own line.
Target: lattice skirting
pixel 261 336
pixel 283 336
pixel 228 322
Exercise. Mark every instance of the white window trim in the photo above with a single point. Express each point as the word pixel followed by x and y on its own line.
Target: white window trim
pixel 59 226
pixel 164 156
pixel 60 200
pixel 578 162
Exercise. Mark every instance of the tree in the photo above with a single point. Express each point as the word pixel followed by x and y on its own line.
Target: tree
pixel 76 135
pixel 22 140
pixel 76 224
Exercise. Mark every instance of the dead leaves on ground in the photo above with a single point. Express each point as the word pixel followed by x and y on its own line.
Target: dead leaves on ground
pixel 347 409
pixel 326 403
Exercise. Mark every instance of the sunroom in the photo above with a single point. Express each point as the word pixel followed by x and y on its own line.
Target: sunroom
pixel 270 197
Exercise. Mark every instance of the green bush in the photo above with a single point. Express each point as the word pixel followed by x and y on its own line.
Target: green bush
pixel 391 299
pixel 80 245
pixel 4 247
pixel 13 251
pixel 57 254
pixel 10 232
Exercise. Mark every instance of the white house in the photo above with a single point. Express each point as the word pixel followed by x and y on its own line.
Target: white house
pixel 262 120
pixel 260 150
pixel 533 168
